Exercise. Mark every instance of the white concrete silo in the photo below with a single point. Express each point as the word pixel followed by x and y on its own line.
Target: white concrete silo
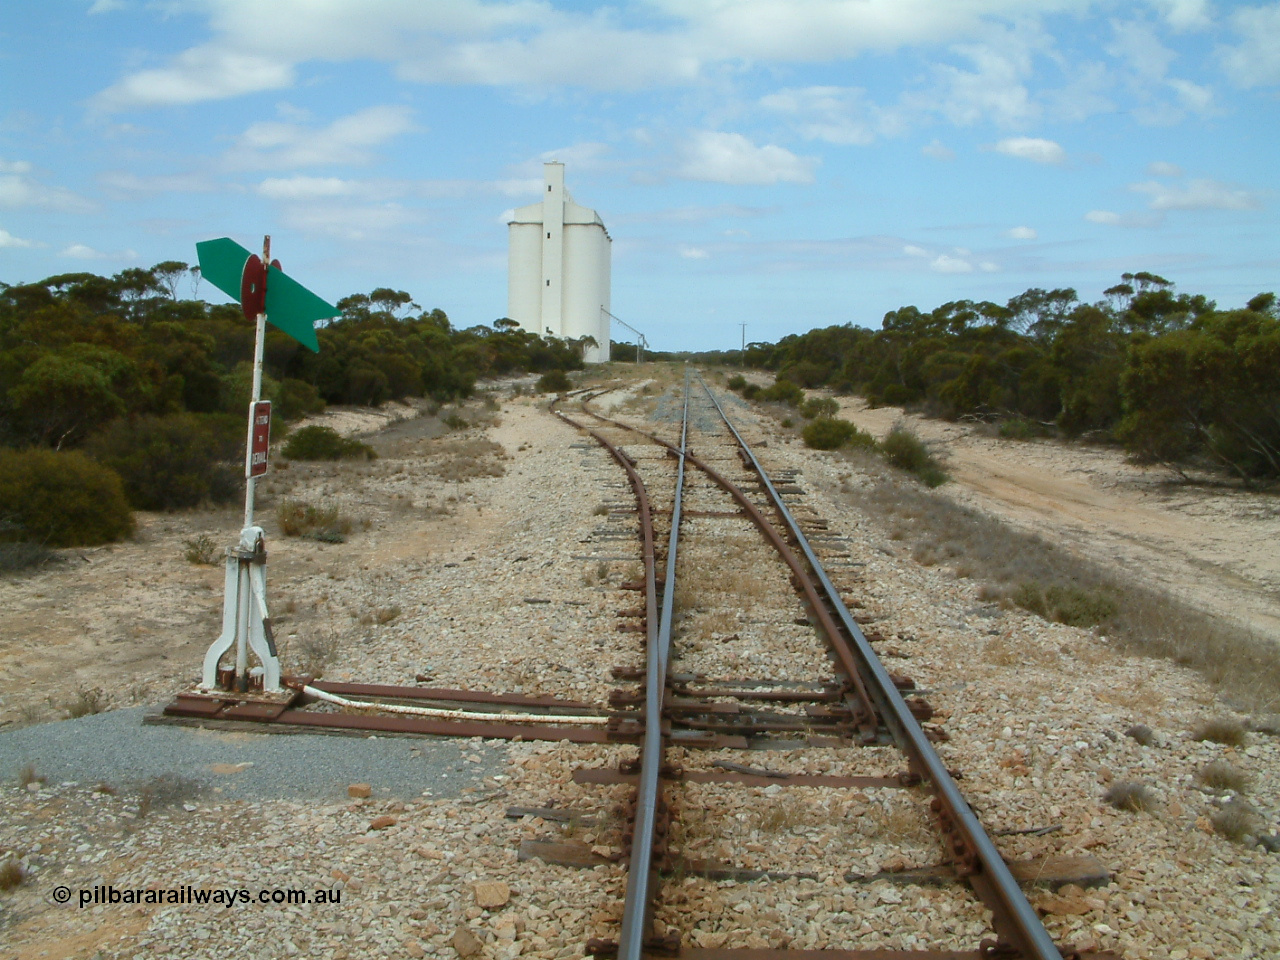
pixel 558 268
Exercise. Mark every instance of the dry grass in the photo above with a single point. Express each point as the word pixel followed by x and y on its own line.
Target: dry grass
pixel 327 524
pixel 312 653
pixel 165 791
pixel 1238 821
pixel 1221 775
pixel 201 550
pixel 1141 733
pixel 86 702
pixel 381 615
pixel 11 873
pixel 1131 796
pixel 1024 570
pixel 457 461
pixel 1227 730
pixel 27 775
pixel 1003 652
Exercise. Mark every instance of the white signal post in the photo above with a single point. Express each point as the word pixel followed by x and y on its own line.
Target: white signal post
pixel 246 623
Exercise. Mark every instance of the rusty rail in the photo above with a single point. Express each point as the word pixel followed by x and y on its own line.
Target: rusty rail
pixel 876 701
pixel 1017 925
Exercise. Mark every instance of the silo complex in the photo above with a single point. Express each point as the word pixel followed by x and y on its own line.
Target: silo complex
pixel 558 268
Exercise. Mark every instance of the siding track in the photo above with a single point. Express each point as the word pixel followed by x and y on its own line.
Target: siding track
pixel 689 710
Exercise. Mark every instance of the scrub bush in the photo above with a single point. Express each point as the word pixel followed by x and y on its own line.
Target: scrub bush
pixel 61 499
pixel 828 433
pixel 325 443
pixel 783 391
pixel 904 450
pixel 554 381
pixel 819 407
pixel 175 461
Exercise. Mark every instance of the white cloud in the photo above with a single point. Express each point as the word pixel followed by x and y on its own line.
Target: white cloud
pixel 1201 194
pixel 123 183
pixel 1022 233
pixel 304 188
pixel 1192 96
pixel 1132 219
pixel 195 76
pixel 938 151
pixel 348 140
pixel 995 89
pixel 19 189
pixel 911 250
pixel 718 157
pixel 949 264
pixel 1185 14
pixel 840 115
pixel 1136 43
pixel 256 47
pixel 1159 168
pixel 1032 148
pixel 349 222
pixel 1255 61
pixel 80 251
pixel 107 6
pixel 518 188
pixel 986 266
pixel 694 253
pixel 9 241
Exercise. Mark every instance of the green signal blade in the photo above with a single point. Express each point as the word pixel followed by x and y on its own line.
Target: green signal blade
pixel 295 309
pixel 222 264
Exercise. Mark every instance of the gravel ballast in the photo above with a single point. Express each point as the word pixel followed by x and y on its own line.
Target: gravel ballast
pixel 1036 715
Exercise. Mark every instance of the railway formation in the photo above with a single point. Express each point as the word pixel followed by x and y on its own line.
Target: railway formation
pixel 697 494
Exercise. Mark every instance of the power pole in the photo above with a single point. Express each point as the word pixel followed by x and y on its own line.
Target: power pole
pixel 742 359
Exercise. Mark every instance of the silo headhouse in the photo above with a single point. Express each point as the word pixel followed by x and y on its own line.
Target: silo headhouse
pixel 558 268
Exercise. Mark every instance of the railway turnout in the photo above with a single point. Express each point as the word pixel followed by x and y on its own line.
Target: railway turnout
pixel 698 490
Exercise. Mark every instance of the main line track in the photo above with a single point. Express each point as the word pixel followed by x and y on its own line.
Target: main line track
pixel 871 707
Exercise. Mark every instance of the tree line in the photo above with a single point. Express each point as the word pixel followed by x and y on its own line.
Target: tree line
pixel 1168 375
pixel 154 386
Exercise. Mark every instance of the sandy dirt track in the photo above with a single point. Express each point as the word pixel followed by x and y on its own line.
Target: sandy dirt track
pixel 1212 545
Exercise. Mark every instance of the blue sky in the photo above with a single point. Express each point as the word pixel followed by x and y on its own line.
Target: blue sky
pixel 781 163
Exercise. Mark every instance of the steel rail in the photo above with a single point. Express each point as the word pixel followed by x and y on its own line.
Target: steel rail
pixel 826 623
pixel 1016 922
pixel 637 907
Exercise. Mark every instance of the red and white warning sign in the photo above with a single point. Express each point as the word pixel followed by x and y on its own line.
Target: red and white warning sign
pixel 259 438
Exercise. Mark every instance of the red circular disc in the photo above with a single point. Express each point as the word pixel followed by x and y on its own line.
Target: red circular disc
pixel 253 287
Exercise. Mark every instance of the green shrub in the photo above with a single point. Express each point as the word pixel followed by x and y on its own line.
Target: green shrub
pixel 175 461
pixel 783 391
pixel 788 422
pixel 554 381
pixel 296 399
pixel 819 407
pixel 61 499
pixel 1066 604
pixel 736 382
pixel 904 450
pixel 1020 428
pixel 324 443
pixel 455 421
pixel 751 391
pixel 828 433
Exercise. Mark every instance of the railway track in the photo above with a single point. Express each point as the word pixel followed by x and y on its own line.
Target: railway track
pixel 856 706
pixel 749 651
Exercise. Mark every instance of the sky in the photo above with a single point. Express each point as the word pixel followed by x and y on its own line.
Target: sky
pixel 783 164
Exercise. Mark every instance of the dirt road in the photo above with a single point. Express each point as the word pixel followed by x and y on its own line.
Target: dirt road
pixel 1215 546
